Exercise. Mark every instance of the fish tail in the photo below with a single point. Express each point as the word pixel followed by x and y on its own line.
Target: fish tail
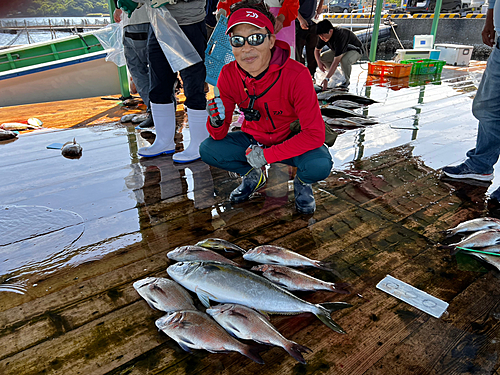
pixel 296 350
pixel 448 232
pixel 252 352
pixel 452 248
pixel 324 314
pixel 341 288
pixel 327 266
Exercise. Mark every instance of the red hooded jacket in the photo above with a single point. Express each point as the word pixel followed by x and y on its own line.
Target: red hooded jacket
pixel 292 97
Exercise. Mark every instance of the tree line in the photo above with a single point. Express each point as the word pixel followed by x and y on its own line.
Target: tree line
pixel 52 8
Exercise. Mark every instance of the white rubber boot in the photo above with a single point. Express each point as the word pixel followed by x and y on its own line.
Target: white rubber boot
pixel 164 119
pixel 197 120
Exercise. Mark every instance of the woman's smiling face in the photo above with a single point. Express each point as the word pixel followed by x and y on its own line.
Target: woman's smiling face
pixel 253 59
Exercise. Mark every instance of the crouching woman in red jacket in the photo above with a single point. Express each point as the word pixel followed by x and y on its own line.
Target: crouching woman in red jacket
pixel 273 91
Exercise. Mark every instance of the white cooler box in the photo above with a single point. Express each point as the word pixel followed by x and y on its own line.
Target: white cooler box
pixel 455 54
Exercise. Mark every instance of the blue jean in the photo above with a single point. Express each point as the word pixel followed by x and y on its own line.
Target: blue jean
pixel 162 78
pixel 229 154
pixel 486 108
pixel 135 48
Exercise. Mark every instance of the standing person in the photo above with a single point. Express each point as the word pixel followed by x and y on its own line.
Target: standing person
pixel 190 17
pixel 210 19
pixel 305 33
pixel 273 91
pixel 135 39
pixel 345 48
pixel 486 108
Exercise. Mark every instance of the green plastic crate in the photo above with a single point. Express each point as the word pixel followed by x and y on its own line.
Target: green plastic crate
pixel 425 66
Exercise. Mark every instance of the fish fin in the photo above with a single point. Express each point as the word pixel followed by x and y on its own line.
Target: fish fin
pixel 204 297
pixel 233 329
pixel 265 314
pixel 325 309
pixel 236 313
pixel 184 347
pixel 150 304
pixel 252 353
pixel 278 273
pixel 341 288
pixel 296 350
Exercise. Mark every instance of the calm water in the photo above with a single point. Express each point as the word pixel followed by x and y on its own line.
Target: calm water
pixel 42 36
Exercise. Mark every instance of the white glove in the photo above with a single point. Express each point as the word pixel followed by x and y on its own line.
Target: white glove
pixel 159 3
pixel 220 12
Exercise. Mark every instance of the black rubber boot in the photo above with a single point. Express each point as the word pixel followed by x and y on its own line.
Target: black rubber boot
pixel 252 181
pixel 304 198
pixel 148 123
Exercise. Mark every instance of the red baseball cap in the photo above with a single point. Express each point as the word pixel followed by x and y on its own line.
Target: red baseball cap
pixel 250 16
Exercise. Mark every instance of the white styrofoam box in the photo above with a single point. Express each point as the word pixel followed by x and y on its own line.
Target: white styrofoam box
pixel 405 54
pixel 455 54
pixel 423 41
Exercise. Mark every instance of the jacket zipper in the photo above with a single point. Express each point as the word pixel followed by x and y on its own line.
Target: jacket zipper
pixel 269 115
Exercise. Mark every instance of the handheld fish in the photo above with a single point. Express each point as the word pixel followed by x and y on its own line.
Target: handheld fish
pixel 197 330
pixel 247 324
pixel 294 280
pixel 197 253
pixel 164 294
pixel 269 254
pixel 228 284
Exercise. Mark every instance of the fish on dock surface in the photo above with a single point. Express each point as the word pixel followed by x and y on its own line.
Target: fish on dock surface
pixel 224 283
pixel 197 253
pixel 482 238
pixel 5 135
pixel 294 280
pixel 247 324
pixel 164 294
pixel 196 330
pixel 269 254
pixel 344 122
pixel 71 150
pixel 333 111
pixel 349 104
pixel 474 225
pixel 18 126
pixel 333 95
pixel 219 244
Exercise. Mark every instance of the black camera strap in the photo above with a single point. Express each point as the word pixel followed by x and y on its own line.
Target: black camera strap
pixel 253 98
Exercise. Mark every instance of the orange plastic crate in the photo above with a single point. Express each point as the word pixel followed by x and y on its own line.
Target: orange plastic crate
pixel 389 69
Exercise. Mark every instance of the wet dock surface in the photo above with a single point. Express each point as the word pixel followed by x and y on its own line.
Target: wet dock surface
pixel 78 233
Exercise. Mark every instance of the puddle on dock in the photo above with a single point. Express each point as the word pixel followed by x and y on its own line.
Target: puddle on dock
pixel 61 212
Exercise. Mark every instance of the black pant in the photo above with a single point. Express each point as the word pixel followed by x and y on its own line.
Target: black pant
pixel 162 78
pixel 309 39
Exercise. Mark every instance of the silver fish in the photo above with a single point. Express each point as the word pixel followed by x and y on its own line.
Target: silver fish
pixel 164 294
pixel 474 225
pixel 247 324
pixel 196 330
pixel 349 104
pixel 269 254
pixel 482 238
pixel 71 150
pixel 5 135
pixel 291 279
pixel 228 284
pixel 219 244
pixel 333 111
pixel 193 253
pixel 333 95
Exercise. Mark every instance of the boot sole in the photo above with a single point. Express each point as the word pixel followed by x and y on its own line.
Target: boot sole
pixel 161 153
pixel 186 161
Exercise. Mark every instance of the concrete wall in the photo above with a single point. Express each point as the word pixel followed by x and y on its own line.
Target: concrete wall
pixel 450 30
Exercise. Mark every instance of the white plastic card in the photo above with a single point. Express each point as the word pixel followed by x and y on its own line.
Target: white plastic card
pixel 413 296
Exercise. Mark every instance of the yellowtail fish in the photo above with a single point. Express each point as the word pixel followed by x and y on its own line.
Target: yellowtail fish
pixel 164 294
pixel 247 324
pixel 294 280
pixel 197 330
pixel 197 253
pixel 269 254
pixel 219 244
pixel 224 283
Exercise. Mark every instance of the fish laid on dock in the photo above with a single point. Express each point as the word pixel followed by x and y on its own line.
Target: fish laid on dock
pixel 197 330
pixel 474 225
pixel 164 294
pixel 247 324
pixel 197 253
pixel 294 280
pixel 71 150
pixel 228 284
pixel 482 238
pixel 349 104
pixel 5 135
pixel 333 95
pixel 269 254
pixel 219 244
pixel 333 111
pixel 18 126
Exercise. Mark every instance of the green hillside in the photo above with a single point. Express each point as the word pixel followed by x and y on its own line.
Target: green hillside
pixel 52 8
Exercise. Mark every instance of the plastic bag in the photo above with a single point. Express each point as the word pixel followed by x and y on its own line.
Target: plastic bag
pixel 334 80
pixel 177 48
pixel 111 39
